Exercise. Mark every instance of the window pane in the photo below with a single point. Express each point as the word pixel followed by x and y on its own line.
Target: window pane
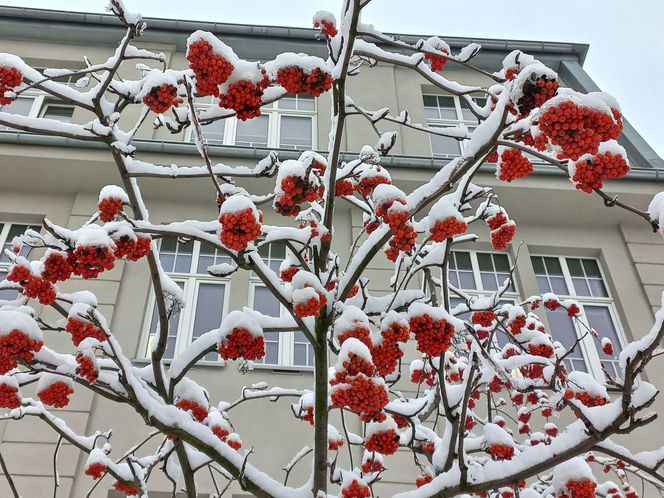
pixel 600 319
pixel 501 277
pixel 209 256
pixel 597 288
pixel 489 281
pixel 501 262
pixel 209 310
pixel 453 278
pixel 302 102
pixel 592 268
pixel 176 255
pixel 265 302
pixel 553 266
pixel 15 231
pixel 444 145
pixel 58 113
pixel 295 132
pixel 485 261
pixel 6 294
pixel 278 250
pixel 252 132
pixel 213 133
pixel 463 260
pixel 271 348
pixel 581 286
pixel 303 353
pixel 538 265
pixel 447 107
pixel 543 284
pixel 467 280
pixel 173 326
pixel 20 106
pixel 575 268
pixel 562 330
pixel 558 285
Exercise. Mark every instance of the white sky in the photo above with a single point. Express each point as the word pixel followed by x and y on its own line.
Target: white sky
pixel 626 37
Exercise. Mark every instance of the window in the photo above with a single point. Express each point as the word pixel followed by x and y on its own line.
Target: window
pixel 286 124
pixel 290 349
pixel 445 111
pixel 21 106
pixel 479 271
pixel 581 279
pixel 206 297
pixel 58 112
pixel 7 233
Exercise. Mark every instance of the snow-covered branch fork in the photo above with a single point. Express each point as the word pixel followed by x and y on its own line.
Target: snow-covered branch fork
pixel 491 379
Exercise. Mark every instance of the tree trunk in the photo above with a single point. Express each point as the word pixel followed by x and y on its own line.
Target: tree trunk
pixel 320 413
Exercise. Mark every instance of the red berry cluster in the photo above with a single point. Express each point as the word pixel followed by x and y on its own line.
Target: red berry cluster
pixel 496 220
pixel 96 470
pixel 586 398
pixel 245 97
pixel 287 274
pixel 10 78
pixel 86 368
pixel 238 229
pixel 607 348
pixel 535 93
pixel 56 394
pixel 422 375
pixel 352 366
pixel 210 68
pixel 585 488
pixel 577 130
pixel 492 157
pixel 343 187
pixel 81 330
pixel 361 394
pixel 296 80
pixel 383 442
pixel 311 307
pixel 371 465
pixel 90 261
pixel 221 432
pixel 334 444
pixel 539 142
pixel 109 208
pixel 513 164
pixel 436 62
pixel 423 479
pixel 161 98
pixel 543 350
pixel 511 73
pixel 234 441
pixel 15 346
pixel 9 396
pixel 57 266
pixel 503 235
pixel 403 239
pixel 326 27
pixel 197 411
pixel 359 332
pixel 386 357
pixel 433 336
pixel 240 343
pixel 132 249
pixel 40 289
pixel 19 273
pixel 295 191
pixel 355 489
pixel 367 184
pixel 483 318
pixel 516 324
pixel 500 451
pixel 590 174
pixel 126 489
pixel 447 228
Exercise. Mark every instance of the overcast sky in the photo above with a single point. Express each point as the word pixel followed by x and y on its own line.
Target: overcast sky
pixel 626 37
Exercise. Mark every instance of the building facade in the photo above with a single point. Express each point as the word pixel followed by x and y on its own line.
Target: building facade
pixel 572 244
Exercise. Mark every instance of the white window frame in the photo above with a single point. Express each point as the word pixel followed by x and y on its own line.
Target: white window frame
pixel 480 291
pixel 460 121
pixel 588 343
pixel 274 114
pixel 192 282
pixel 5 267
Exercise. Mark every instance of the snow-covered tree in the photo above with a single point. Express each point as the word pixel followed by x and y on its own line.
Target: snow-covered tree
pixel 493 408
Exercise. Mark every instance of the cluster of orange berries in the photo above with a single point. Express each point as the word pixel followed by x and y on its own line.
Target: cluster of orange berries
pixel 40 289
pixel 502 230
pixel 57 266
pixel 133 249
pixel 311 307
pixel 578 130
pixel 483 318
pixel 436 62
pixel 433 336
pixel 343 187
pixel 544 350
pixel 86 368
pixel 513 164
pixel 386 357
pixel 90 261
pixel 9 397
pixel 294 191
pixel 126 489
pixel 355 489
pixel 16 345
pixel 240 228
pixel 500 451
pixel 245 97
pixel 584 488
pixel 536 93
pixel 423 479
pixel 333 444
pixel 109 207
pixel 199 412
pixel 56 394
pixel 161 98
pixel 211 69
pixel 352 366
pixel 423 375
pixel 240 343
pixel 363 395
pixel 539 141
pixel 590 174
pixel 367 184
pixel 449 227
pixel 10 78
pixel 287 274
pixel 383 442
pixel 232 440
pixel 326 27
pixel 372 465
pixel 96 470
pixel 81 330
pixel 586 398
pixel 296 80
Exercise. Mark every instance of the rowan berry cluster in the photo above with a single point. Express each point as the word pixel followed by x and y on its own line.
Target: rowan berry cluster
pixel 245 97
pixel 343 187
pixel 383 442
pixel 578 129
pixel 40 289
pixel 126 489
pixel 483 318
pixel 161 98
pixel 109 207
pixel 86 367
pixel 433 336
pixel 500 451
pixel 403 239
pixel 363 395
pixel 19 273
pixel 10 78
pixel 221 432
pixel 294 191
pixel 386 356
pixel 16 345
pixel 586 398
pixel 199 412
pixel 296 80
pixel 310 307
pixel 535 92
pixel 423 375
pixel 239 228
pixel 96 470
pixel 423 479
pixel 590 173
pixel 333 444
pixel 449 227
pixel 513 164
pixel 240 343
pixel 538 141
pixel 57 266
pixel 9 396
pixel 56 394
pixel 368 183
pixel 326 27
pixel 360 332
pixel 607 347
pixel 584 488
pixel 544 350
pixel 287 274
pixel 372 465
pixel 81 330
pixel 90 261
pixel 211 69
pixel 355 489
pixel 503 235
pixel 436 62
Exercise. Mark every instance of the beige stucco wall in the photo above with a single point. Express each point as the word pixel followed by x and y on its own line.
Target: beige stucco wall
pixel 63 183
